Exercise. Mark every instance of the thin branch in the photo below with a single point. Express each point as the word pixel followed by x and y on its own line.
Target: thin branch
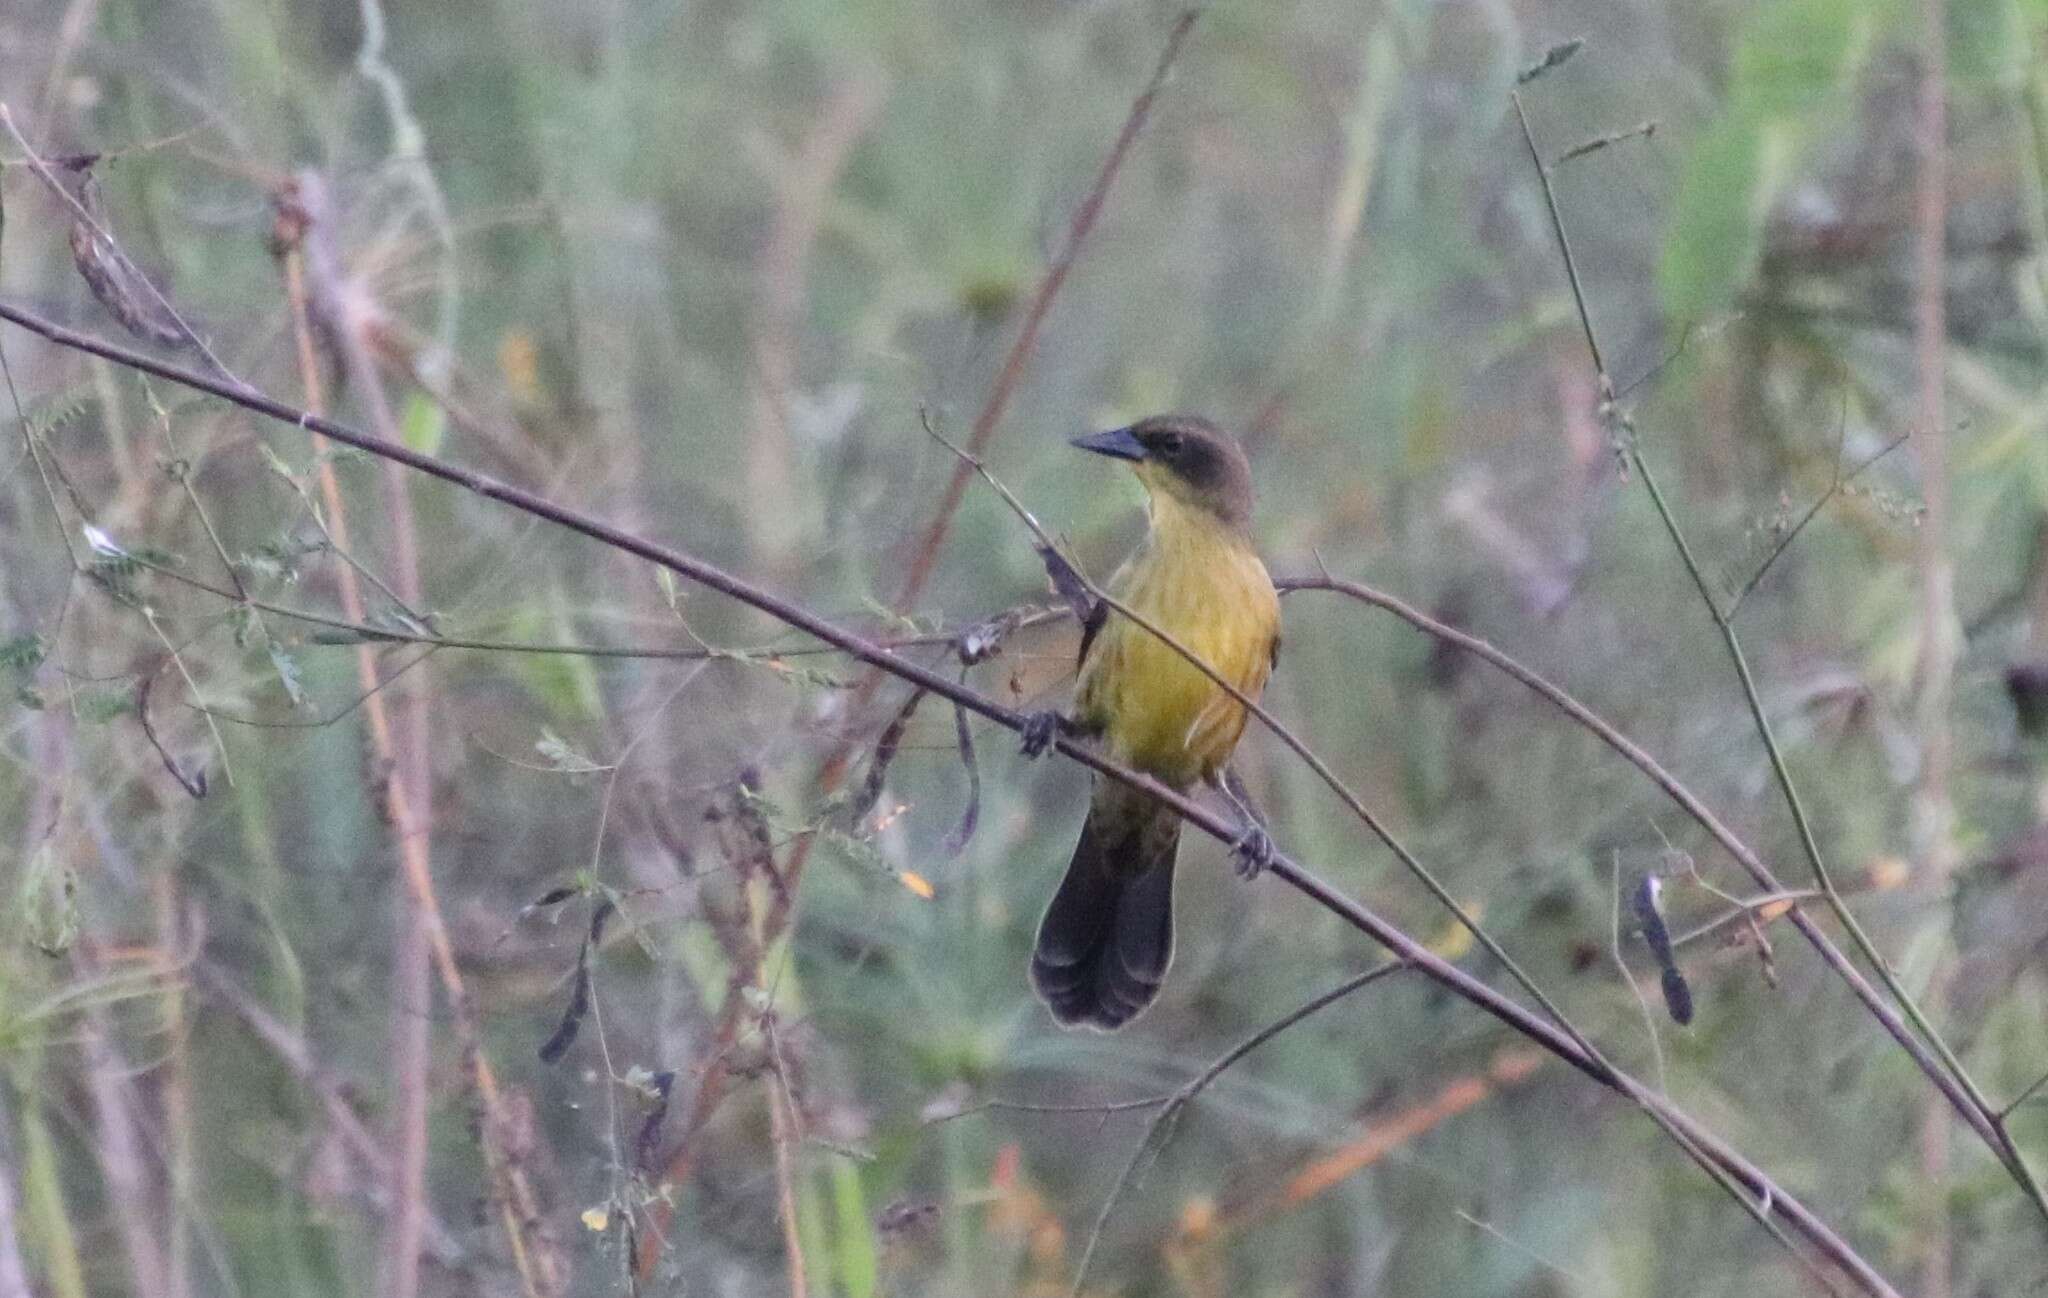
pixel 401 738
pixel 1641 130
pixel 1975 1109
pixel 1384 1131
pixel 1880 1008
pixel 2023 1097
pixel 1012 373
pixel 1745 910
pixel 1708 1150
pixel 355 633
pixel 785 1129
pixel 100 232
pixel 193 784
pixel 182 469
pixel 227 769
pixel 1785 540
pixel 406 798
pixel 1160 1132
pixel 1294 742
pixel 1365 815
pixel 833 769
pixel 1933 804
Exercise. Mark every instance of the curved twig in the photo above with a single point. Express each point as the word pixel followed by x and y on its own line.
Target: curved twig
pixel 1767 1200
pixel 1960 1088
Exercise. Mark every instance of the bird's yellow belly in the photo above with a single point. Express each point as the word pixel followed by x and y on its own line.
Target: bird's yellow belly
pixel 1156 711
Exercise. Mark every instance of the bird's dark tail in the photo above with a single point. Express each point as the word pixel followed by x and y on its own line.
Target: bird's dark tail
pixel 1107 937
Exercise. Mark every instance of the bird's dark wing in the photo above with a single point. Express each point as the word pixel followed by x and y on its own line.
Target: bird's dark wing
pixel 1098 613
pixel 1078 594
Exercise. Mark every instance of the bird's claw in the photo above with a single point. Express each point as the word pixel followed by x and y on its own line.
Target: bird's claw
pixel 1039 730
pixel 1252 852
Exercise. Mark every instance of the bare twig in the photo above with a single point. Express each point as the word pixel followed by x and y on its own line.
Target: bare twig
pixel 1641 130
pixel 1960 1088
pixel 344 631
pixel 1791 534
pixel 405 798
pixel 833 769
pixel 1745 856
pixel 1934 813
pixel 227 769
pixel 123 1163
pixel 1160 1132
pixel 1746 910
pixel 182 470
pixel 785 1128
pixel 1387 1132
pixel 1285 735
pixel 1707 1149
pixel 1012 372
pixel 193 784
pixel 113 246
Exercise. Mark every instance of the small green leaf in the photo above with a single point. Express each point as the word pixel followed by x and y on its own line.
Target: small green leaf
pixel 856 1237
pixel 24 653
pixel 49 903
pixel 423 425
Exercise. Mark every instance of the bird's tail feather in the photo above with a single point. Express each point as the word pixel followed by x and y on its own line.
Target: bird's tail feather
pixel 1107 938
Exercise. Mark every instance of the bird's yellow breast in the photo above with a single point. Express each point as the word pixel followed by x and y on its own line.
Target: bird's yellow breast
pixel 1201 583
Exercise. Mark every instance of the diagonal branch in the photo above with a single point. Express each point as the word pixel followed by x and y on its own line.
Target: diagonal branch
pixel 1974 1107
pixel 1687 801
pixel 1294 743
pixel 1764 1197
pixel 1160 1131
pixel 1078 229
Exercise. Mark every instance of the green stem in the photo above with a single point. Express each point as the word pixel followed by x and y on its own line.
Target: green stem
pixel 2008 1152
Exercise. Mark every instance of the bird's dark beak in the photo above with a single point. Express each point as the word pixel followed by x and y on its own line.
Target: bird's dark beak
pixel 1118 442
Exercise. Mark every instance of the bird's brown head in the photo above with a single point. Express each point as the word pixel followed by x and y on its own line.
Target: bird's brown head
pixel 1185 458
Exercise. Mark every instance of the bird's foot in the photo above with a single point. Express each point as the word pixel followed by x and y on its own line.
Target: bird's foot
pixel 1252 852
pixel 1040 729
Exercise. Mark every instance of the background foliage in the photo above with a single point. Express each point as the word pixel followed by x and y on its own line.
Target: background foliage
pixel 697 268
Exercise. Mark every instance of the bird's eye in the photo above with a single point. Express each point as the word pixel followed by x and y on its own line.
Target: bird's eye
pixel 1168 443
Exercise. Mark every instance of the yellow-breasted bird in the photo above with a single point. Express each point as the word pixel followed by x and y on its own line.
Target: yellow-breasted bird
pixel 1107 938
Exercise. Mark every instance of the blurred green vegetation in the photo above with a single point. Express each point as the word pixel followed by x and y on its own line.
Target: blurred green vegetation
pixel 698 268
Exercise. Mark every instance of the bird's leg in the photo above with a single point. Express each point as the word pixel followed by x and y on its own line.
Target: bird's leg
pixel 1041 728
pixel 1253 849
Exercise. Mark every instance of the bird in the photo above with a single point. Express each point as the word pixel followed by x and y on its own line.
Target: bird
pixel 1106 939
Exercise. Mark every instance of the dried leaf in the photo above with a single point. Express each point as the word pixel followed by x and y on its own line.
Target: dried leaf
pixel 971 815
pixel 288 675
pixel 644 1144
pixel 885 753
pixel 1649 910
pixel 916 884
pixel 115 280
pixel 1553 58
pixel 564 1035
pixel 1067 583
